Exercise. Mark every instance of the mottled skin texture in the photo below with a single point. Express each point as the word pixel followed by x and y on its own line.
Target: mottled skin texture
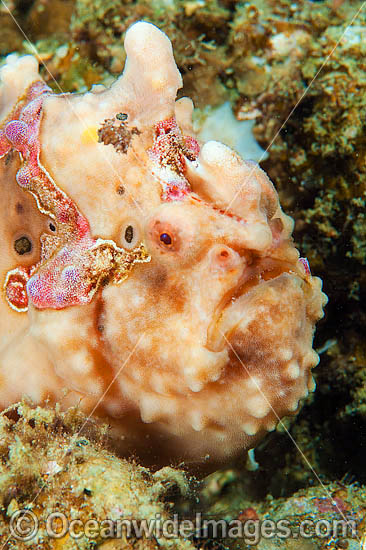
pixel 171 300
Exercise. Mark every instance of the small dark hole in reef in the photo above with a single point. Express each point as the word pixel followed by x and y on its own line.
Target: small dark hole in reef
pixel 52 227
pixel 22 246
pixel 58 426
pixel 87 492
pixel 120 190
pixel 129 234
pixel 12 414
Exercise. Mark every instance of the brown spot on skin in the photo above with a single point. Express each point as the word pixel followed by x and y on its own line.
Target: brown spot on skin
pixel 19 208
pixel 120 136
pixel 164 291
pixel 129 233
pixel 154 276
pixel 99 311
pixel 120 190
pixel 23 245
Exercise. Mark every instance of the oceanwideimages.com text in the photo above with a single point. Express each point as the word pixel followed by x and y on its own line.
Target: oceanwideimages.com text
pixel 25 526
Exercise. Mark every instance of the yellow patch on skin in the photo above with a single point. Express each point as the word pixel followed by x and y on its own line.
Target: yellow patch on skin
pixel 157 83
pixel 89 135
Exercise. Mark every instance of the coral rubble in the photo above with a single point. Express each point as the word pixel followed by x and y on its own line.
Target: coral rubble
pixel 58 463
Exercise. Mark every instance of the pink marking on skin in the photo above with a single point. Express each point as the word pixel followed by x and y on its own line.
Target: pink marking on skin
pixel 167 147
pixel 192 146
pixel 167 126
pixel 168 155
pixel 5 146
pixel 196 199
pixel 16 132
pixel 175 191
pixel 16 291
pixel 83 228
pixel 24 177
pixel 306 265
pixel 64 281
pixel 34 98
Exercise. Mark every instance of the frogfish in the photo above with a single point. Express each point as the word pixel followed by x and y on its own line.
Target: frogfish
pixel 146 277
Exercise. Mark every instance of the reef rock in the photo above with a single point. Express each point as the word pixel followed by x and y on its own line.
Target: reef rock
pixel 152 276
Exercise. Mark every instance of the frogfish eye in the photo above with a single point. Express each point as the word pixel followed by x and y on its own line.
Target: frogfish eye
pixel 166 239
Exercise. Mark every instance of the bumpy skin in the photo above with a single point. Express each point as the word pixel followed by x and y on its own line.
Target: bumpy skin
pixel 162 289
